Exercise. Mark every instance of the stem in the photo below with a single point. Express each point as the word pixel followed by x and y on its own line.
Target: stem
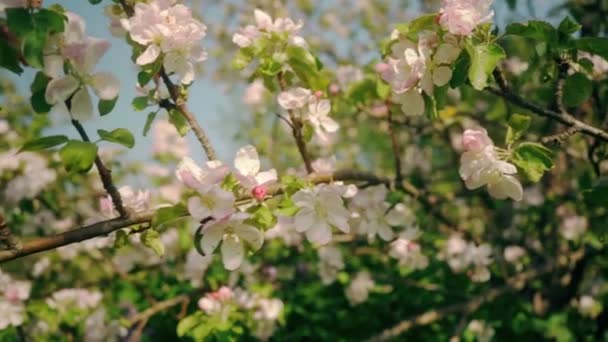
pixel 395 147
pixel 296 130
pixel 104 173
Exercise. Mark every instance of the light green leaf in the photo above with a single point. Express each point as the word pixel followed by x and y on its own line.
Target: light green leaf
pixel 179 122
pixel 78 156
pixel 122 239
pixel 33 46
pixel 166 215
pixel 140 103
pixel 151 239
pixel 484 59
pixel 263 217
pixel 568 26
pixel 44 143
pixel 149 121
pixel 533 159
pixel 188 323
pixel 119 136
pixel 518 124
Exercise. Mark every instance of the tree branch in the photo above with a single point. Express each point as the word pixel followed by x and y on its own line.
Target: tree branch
pixel 296 130
pixel 7 238
pixel 106 227
pixel 395 147
pixel 470 306
pixel 563 117
pixel 145 315
pixel 104 173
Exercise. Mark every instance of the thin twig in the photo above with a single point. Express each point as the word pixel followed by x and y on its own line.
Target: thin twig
pixel 104 173
pixel 296 129
pixel 395 147
pixel 145 315
pixel 7 238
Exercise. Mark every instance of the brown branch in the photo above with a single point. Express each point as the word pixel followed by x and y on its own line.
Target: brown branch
pixel 106 227
pixel 469 306
pixel 7 238
pixel 563 117
pixel 104 173
pixel 145 315
pixel 180 106
pixel 296 130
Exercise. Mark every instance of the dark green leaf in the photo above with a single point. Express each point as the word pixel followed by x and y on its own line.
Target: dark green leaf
pixel 38 102
pixel 33 46
pixel 119 136
pixel 568 26
pixel 19 21
pixel 94 2
pixel 534 29
pixel 44 143
pixel 594 45
pixel 598 195
pixel 40 82
pixel 106 106
pixel 78 156
pixel 460 72
pixel 149 121
pixel 9 58
pixel 577 89
pixel 50 21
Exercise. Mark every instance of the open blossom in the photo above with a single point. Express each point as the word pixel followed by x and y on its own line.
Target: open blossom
pixel 213 302
pixel 167 30
pixel 589 306
pixel 254 93
pixel 193 176
pixel 247 165
pixel 66 299
pixel 14 294
pixel 264 26
pixel 30 174
pixel 294 98
pixel 234 235
pixel 330 263
pixel 83 53
pixel 318 117
pixel 320 209
pixel 136 201
pixel 572 227
pixel 462 255
pixel 480 165
pixel 358 289
pixel 407 250
pixel 461 17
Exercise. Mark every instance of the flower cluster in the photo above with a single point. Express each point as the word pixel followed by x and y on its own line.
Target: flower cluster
pixel 357 291
pixel 79 54
pixel 28 172
pixel 14 294
pixel 481 164
pixel 311 108
pixel 76 298
pixel 136 201
pixel 407 250
pixel 462 255
pixel 265 26
pixel 167 30
pixel 330 263
pixel 414 68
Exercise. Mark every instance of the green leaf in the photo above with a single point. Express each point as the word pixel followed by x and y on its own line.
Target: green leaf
pixel 430 106
pixel 143 77
pixel 594 45
pixel 94 2
pixel 151 239
pixel 106 106
pixel 536 30
pixel 40 82
pixel 292 184
pixel 383 89
pixel 305 66
pixel 33 46
pixel 44 143
pixel 534 159
pixel 484 58
pixel 263 217
pixel 577 89
pixel 38 102
pixel 179 122
pixel 188 323
pixel 518 124
pixel 9 58
pixel 596 196
pixel 568 26
pixel 140 103
pixel 78 156
pixel 149 121
pixel 270 67
pixel 230 182
pixel 51 21
pixel 287 207
pixel 119 136
pixel 461 68
pixel 122 239
pixel 166 215
pixel 19 21
pixel 242 58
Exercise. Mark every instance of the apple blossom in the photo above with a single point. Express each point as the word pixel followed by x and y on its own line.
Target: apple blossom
pixel 247 166
pixel 407 251
pixel 254 93
pixel 265 26
pixel 211 202
pixel 167 141
pixel 480 165
pixel 197 177
pixel 320 209
pixel 461 17
pixel 234 235
pixel 513 253
pixel 134 201
pixel 66 299
pixel 169 31
pixel 82 53
pixel 330 263
pixel 31 174
pixel 294 98
pixel 318 117
pixel 357 291
pixel 572 227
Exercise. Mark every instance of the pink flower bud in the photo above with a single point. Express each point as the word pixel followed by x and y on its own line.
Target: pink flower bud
pixel 318 94
pixel 334 89
pixel 382 67
pixel 259 192
pixel 222 294
pixel 475 140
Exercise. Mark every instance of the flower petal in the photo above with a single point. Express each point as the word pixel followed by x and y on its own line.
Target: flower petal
pixel 319 234
pixel 232 252
pixel 149 55
pixel 105 85
pixel 197 210
pixel 251 235
pixel 304 219
pixel 212 235
pixel 82 106
pixel 60 89
pixel 247 161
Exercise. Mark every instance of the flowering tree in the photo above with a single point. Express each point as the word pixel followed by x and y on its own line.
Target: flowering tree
pixel 448 170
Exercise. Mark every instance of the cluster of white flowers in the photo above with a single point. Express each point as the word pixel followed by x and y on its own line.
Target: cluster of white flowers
pixel 266 26
pixel 311 108
pixel 76 298
pixel 407 250
pixel 414 68
pixel 13 295
pixel 213 302
pixel 217 205
pixel 462 255
pixel 167 30
pixel 81 53
pixel 267 312
pixel 166 140
pixel 135 201
pixel 357 291
pixel 481 330
pixel 481 164
pixel 375 216
pixel 588 306
pixel 461 17
pixel 28 172
pixel 572 227
pixel 330 263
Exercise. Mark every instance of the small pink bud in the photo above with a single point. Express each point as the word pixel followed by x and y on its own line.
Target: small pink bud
pixel 334 89
pixel 259 192
pixel 318 94
pixel 382 67
pixel 475 140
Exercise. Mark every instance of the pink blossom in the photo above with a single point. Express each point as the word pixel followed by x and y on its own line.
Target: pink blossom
pixel 259 192
pixel 476 139
pixel 461 17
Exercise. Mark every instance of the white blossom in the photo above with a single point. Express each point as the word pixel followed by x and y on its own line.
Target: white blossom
pixel 461 17
pixel 357 291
